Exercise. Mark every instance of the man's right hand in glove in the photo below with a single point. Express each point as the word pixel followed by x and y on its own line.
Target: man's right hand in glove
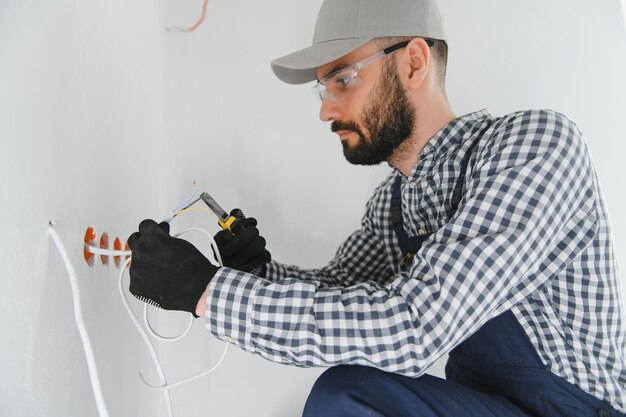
pixel 166 271
pixel 244 251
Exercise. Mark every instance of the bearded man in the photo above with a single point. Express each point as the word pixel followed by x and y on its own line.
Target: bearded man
pixel 488 241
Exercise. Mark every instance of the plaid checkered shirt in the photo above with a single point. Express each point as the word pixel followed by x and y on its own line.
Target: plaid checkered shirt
pixel 530 235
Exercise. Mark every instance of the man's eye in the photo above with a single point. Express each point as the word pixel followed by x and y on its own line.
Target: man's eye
pixel 343 80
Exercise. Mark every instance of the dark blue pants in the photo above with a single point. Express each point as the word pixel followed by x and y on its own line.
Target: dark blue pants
pixel 495 372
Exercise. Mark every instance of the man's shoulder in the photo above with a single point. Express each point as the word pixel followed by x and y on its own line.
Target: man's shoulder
pixel 526 135
pixel 533 120
pixel 534 128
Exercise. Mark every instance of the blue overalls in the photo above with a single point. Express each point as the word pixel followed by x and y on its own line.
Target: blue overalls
pixel 495 372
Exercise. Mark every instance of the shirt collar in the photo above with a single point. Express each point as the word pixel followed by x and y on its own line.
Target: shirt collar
pixel 448 137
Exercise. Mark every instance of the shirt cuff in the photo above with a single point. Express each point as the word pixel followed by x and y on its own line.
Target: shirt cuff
pixel 274 271
pixel 229 306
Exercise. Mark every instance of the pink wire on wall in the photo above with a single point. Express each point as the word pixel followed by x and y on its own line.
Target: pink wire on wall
pixel 198 23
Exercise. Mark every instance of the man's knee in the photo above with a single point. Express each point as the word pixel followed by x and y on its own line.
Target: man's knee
pixel 341 391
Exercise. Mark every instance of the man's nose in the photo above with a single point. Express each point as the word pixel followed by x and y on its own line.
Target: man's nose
pixel 330 110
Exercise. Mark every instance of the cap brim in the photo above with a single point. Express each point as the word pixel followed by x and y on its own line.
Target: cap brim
pixel 301 66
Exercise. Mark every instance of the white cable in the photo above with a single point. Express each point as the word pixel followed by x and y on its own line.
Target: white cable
pixel 112 252
pixel 82 330
pixel 164 385
pixel 93 371
pixel 182 381
pixel 107 252
pixel 145 338
pixel 218 258
pixel 185 203
pixel 188 200
pixel 156 335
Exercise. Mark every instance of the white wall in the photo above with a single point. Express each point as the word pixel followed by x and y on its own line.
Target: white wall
pixel 256 143
pixel 80 135
pixel 106 117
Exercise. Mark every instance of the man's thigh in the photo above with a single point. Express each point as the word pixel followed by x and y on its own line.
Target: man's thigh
pixel 363 391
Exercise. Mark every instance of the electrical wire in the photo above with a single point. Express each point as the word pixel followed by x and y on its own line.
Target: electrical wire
pixel 156 335
pixel 216 251
pixel 82 329
pixel 93 372
pixel 164 385
pixel 185 203
pixel 191 378
pixel 91 361
pixel 107 252
pixel 218 258
pixel 189 199
pixel 195 25
pixel 146 339
pixel 177 212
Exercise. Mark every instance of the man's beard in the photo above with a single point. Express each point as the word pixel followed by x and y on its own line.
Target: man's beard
pixel 389 119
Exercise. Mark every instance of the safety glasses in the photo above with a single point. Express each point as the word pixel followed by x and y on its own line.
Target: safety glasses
pixel 338 84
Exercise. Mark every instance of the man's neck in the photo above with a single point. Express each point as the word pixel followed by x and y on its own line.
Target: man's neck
pixel 428 125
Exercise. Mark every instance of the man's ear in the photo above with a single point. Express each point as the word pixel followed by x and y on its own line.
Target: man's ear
pixel 419 62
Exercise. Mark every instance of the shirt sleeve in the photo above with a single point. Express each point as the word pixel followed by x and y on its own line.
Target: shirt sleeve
pixel 526 213
pixel 361 257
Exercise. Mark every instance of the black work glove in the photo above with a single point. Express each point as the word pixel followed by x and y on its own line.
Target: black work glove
pixel 167 272
pixel 244 251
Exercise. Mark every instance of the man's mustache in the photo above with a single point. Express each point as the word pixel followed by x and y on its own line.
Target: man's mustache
pixel 336 126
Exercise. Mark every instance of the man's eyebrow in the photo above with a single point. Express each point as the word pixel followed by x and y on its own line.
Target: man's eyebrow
pixel 334 69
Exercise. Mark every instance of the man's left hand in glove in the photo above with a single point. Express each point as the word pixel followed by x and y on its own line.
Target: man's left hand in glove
pixel 165 271
pixel 244 251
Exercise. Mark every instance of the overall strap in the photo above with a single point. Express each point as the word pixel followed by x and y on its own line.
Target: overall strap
pixel 409 245
pixel 457 193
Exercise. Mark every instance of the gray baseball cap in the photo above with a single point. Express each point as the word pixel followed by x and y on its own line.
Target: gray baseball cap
pixel 345 25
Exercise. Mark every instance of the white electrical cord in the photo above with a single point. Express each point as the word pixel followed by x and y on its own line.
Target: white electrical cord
pixel 93 372
pixel 146 339
pixel 82 330
pixel 164 385
pixel 185 203
pixel 106 252
pixel 188 200
pixel 157 336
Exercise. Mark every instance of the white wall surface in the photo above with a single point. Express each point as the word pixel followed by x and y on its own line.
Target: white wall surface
pixel 80 136
pixel 106 117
